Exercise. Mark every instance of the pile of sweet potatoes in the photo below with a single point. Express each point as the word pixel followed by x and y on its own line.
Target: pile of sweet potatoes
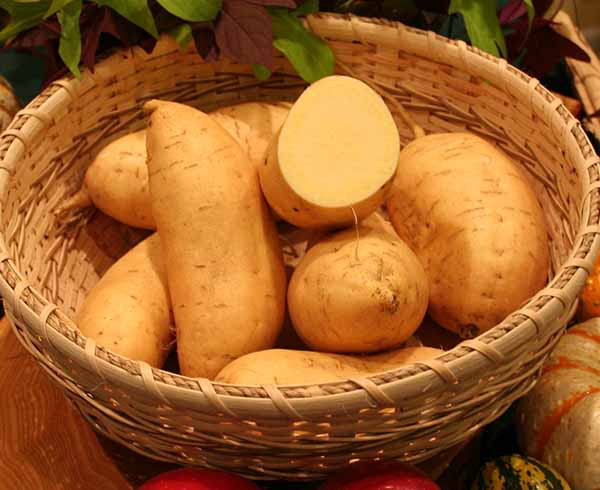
pixel 448 225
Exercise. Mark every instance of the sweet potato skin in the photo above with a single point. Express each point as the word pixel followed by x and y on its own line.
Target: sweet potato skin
pixel 358 291
pixel 129 310
pixel 116 182
pixel 473 220
pixel 289 367
pixel 224 260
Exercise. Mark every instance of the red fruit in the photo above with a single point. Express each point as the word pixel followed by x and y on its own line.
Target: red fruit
pixel 198 479
pixel 384 475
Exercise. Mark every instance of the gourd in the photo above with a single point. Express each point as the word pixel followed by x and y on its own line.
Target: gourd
pixel 559 420
pixel 590 295
pixel 517 472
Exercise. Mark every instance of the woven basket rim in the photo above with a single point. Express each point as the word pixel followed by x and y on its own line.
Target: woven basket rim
pixel 497 345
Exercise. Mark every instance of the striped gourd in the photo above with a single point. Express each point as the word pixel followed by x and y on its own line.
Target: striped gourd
pixel 518 473
pixel 558 421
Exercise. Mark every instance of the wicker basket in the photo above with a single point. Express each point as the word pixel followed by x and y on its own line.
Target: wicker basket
pixel 295 432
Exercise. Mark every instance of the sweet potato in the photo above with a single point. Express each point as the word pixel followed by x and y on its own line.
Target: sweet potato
pixel 335 156
pixel 224 261
pixel 253 125
pixel 468 212
pixel 289 367
pixel 116 182
pixel 358 294
pixel 129 311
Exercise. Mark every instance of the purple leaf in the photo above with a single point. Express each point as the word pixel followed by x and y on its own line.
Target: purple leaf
pixel 204 39
pixel 244 33
pixel 512 11
pixel 544 47
pixel 91 38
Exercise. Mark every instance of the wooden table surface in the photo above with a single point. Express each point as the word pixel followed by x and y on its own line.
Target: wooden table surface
pixel 44 443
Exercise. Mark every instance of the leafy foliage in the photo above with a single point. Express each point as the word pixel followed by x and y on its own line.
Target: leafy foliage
pixel 69 46
pixel 299 45
pixel 135 11
pixel 482 24
pixel 517 29
pixel 65 33
pixel 195 11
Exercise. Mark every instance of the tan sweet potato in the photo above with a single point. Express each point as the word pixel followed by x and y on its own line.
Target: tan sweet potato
pixel 129 311
pixel 334 159
pixel 224 261
pixel 253 125
pixel 289 367
pixel 467 211
pixel 364 294
pixel 116 182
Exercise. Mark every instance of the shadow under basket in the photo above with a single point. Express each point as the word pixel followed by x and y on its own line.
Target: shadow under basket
pixel 287 432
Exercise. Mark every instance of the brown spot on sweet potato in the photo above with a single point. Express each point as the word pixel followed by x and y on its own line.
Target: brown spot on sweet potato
pixel 472 210
pixel 468 331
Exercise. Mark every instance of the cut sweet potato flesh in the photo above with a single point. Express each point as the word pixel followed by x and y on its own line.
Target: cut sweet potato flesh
pixel 339 144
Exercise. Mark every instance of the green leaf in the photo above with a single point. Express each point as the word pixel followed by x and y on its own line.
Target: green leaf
pixel 530 11
pixel 69 46
pixel 23 16
pixel 135 11
pixel 482 24
pixel 310 56
pixel 182 34
pixel 193 10
pixel 307 8
pixel 55 7
pixel 261 72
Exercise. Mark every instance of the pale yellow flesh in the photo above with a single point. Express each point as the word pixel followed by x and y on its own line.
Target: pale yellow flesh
pixel 290 367
pixel 339 143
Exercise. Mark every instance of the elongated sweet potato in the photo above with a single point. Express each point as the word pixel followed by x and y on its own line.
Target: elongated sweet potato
pixel 467 211
pixel 284 366
pixel 224 261
pixel 116 182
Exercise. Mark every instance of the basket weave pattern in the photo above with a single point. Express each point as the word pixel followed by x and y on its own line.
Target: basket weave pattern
pixel 292 432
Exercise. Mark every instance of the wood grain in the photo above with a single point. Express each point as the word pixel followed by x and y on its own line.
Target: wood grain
pixel 44 442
